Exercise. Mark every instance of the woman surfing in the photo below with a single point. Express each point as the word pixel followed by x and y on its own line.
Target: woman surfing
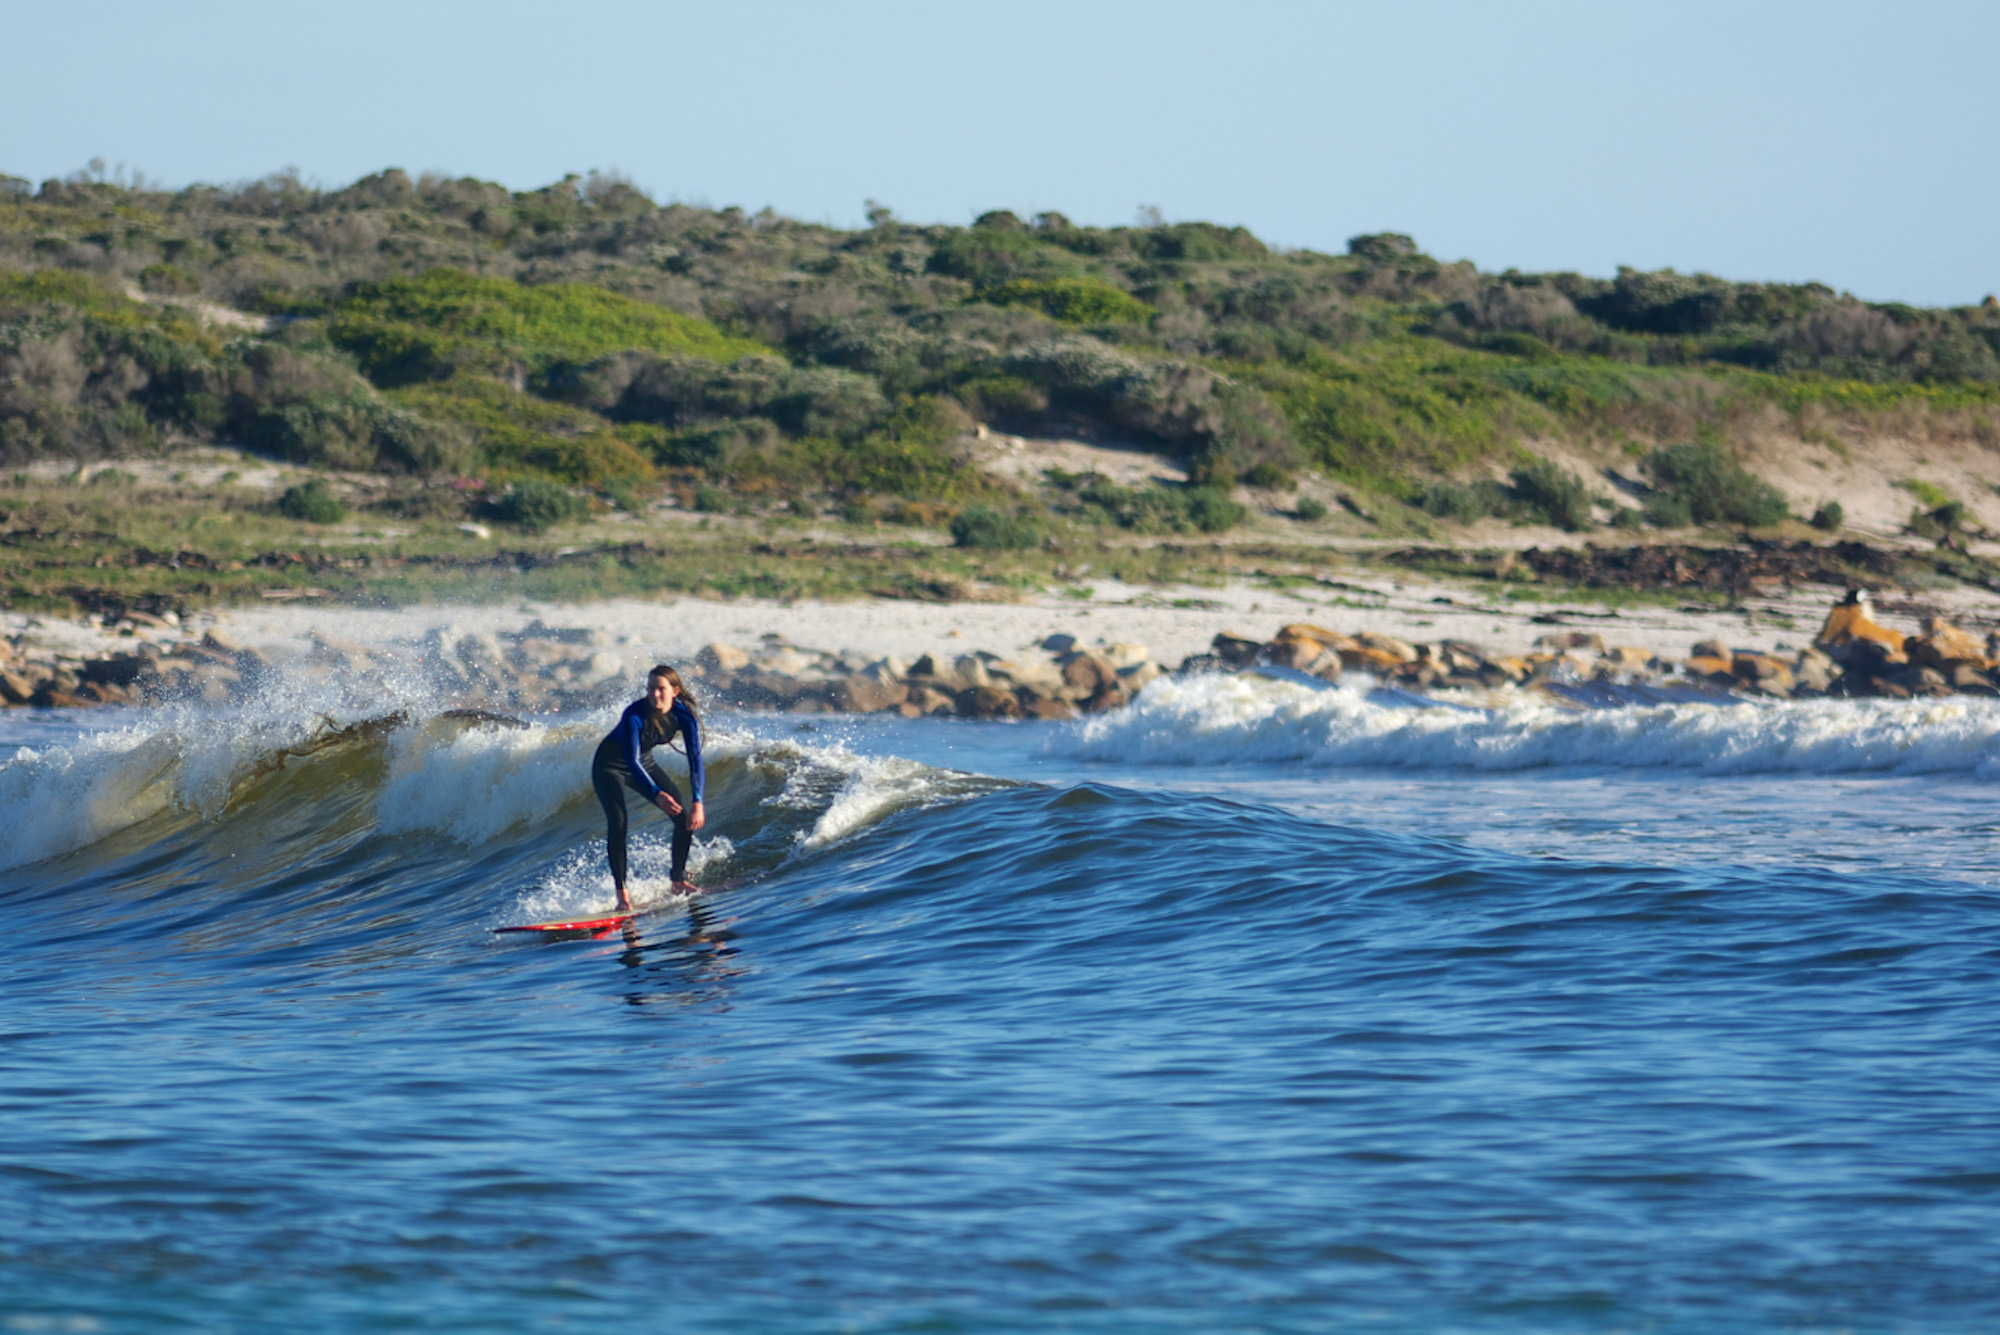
pixel 624 761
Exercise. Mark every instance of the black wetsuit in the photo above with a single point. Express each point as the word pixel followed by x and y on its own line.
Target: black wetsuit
pixel 623 761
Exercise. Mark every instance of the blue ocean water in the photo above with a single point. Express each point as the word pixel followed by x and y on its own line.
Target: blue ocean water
pixel 1251 1008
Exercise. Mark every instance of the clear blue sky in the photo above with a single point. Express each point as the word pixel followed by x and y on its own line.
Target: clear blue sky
pixel 1853 144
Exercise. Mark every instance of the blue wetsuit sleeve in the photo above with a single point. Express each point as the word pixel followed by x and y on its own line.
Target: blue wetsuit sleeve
pixel 629 729
pixel 691 730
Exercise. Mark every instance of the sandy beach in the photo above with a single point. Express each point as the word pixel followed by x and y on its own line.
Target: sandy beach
pixel 1170 622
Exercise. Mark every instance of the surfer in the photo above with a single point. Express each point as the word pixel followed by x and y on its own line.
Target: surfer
pixel 624 761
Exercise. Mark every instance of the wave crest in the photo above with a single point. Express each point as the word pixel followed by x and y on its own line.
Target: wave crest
pixel 1214 720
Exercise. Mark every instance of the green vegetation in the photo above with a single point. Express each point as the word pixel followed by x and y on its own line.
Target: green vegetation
pixel 312 501
pixel 1699 483
pixel 984 526
pixel 1541 492
pixel 536 505
pixel 583 337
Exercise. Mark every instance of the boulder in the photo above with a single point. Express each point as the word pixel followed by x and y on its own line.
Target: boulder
pixel 1042 707
pixel 719 657
pixel 1918 680
pixel 1366 658
pixel 1628 658
pixel 1944 646
pixel 1135 677
pixel 970 670
pixel 16 689
pixel 117 670
pixel 1305 630
pixel 1764 673
pixel 1326 667
pixel 785 661
pixel 1043 678
pixel 1710 665
pixel 1402 650
pixel 862 694
pixel 1085 674
pixel 1297 653
pixel 1851 625
pixel 928 699
pixel 218 638
pixel 1058 644
pixel 987 702
pixel 887 669
pixel 1813 673
pixel 1125 653
pixel 1971 680
pixel 1235 650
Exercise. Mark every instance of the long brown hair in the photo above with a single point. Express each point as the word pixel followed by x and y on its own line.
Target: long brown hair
pixel 681 692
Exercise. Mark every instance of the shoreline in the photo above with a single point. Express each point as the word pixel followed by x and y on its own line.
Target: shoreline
pixel 614 638
pixel 1173 622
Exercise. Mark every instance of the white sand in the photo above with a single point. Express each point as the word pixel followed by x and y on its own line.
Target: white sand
pixel 1170 622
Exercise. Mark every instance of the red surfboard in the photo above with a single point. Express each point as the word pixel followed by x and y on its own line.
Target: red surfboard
pixel 581 926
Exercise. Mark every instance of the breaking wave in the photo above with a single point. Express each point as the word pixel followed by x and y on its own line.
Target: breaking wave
pixel 1260 719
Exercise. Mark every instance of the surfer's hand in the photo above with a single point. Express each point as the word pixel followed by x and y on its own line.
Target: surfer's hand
pixel 665 802
pixel 697 818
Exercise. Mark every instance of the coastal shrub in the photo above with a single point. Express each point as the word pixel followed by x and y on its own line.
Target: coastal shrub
pixel 1211 510
pixel 1699 483
pixel 1554 494
pixel 983 526
pixel 1669 509
pixel 1078 301
pixel 1003 398
pixel 988 256
pixel 536 505
pixel 1160 508
pixel 1310 510
pixel 1467 502
pixel 406 330
pixel 1829 517
pixel 312 501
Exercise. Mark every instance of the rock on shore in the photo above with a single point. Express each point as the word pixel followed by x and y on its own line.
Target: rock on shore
pixel 540 667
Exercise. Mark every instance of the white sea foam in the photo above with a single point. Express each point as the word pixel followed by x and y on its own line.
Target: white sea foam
pixel 1210 720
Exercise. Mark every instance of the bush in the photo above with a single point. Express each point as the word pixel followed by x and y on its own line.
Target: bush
pixel 1553 493
pixel 536 505
pixel 1156 509
pixel 1072 300
pixel 1310 510
pixel 1210 509
pixel 1466 502
pixel 1699 483
pixel 1829 517
pixel 312 501
pixel 1270 475
pixel 985 527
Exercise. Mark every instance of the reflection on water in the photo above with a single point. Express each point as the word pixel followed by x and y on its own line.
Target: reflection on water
pixel 693 968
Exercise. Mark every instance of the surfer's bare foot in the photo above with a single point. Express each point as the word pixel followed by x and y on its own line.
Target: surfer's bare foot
pixel 624 902
pixel 686 888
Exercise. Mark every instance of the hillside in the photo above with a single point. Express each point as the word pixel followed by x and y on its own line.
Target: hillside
pixel 480 344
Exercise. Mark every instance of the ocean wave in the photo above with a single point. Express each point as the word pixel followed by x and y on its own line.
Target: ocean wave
pixel 1248 719
pixel 472 779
